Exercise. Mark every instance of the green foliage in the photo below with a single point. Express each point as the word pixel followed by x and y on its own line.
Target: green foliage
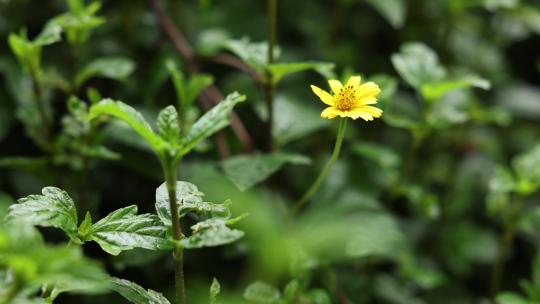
pixel 187 90
pixel 262 293
pixel 32 263
pixel 211 122
pixel 214 231
pixel 398 219
pixel 28 52
pixel 394 11
pixel 123 230
pixel 117 68
pixel 211 233
pixel 245 171
pixel 419 66
pixel 215 289
pixel 137 294
pixel 80 21
pixel 252 53
pixel 52 209
pixel 130 116
pixel 168 125
pixel 280 70
pixel 189 199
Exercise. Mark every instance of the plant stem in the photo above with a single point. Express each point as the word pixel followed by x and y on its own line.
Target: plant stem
pixel 504 245
pixel 170 170
pixel 38 99
pixel 268 84
pixel 335 154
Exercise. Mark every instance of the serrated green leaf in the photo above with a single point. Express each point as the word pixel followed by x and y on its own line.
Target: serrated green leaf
pixel 117 68
pixel 169 125
pixel 212 121
pixel 417 64
pixel 210 233
pixel 123 230
pixel 280 70
pixel 137 294
pixel 215 289
pixel 245 171
pixel 130 116
pixel 188 199
pixel 393 11
pixel 52 209
pixel 262 293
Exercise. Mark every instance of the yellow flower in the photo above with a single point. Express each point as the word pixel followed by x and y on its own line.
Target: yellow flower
pixel 352 100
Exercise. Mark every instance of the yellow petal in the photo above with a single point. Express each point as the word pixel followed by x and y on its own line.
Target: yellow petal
pixel 329 113
pixel 367 100
pixel 335 85
pixel 354 81
pixel 323 95
pixel 373 111
pixel 355 115
pixel 368 89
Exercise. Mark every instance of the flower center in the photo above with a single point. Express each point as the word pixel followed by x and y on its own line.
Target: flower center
pixel 345 99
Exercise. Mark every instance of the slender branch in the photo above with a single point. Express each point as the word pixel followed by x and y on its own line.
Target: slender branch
pixel 210 95
pixel 335 154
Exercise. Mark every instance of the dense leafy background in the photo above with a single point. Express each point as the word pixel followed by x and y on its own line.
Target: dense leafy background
pixel 412 212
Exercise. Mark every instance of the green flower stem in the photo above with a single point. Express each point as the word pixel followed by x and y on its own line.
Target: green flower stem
pixel 335 154
pixel 268 84
pixel 170 172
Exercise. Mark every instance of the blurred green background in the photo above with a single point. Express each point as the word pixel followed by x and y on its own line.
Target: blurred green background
pixel 414 211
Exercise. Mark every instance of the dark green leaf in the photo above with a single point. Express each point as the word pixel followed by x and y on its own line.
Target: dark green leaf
pixel 215 288
pixel 393 11
pixel 262 293
pixel 295 120
pixel 510 298
pixel 123 230
pixel 117 68
pixel 527 168
pixel 130 116
pixel 252 53
pixel 245 171
pixel 52 209
pixel 375 235
pixel 168 125
pixel 210 233
pixel 136 294
pixel 280 70
pixel 212 121
pixel 188 199
pixel 417 64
